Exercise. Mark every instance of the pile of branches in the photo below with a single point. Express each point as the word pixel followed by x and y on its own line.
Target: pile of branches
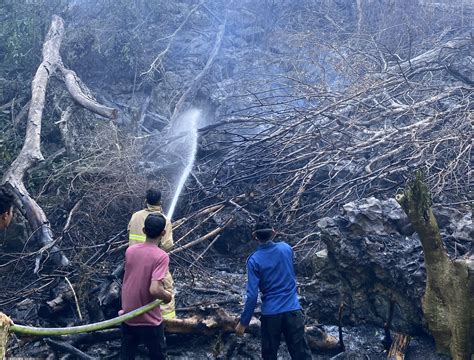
pixel 304 163
pixel 298 156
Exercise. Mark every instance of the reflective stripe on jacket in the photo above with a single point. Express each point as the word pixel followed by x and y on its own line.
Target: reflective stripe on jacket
pixel 135 227
pixel 136 235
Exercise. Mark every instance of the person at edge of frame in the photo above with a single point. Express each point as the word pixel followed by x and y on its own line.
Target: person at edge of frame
pixel 6 208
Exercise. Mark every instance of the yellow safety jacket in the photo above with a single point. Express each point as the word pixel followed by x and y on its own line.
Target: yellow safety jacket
pixel 137 236
pixel 137 222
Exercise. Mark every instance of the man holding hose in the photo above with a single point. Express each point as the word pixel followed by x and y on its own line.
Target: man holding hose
pixel 137 236
pixel 146 266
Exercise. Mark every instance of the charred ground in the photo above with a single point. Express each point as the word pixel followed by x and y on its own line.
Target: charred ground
pixel 310 109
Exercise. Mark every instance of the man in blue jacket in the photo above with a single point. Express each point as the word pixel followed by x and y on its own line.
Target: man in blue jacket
pixel 270 269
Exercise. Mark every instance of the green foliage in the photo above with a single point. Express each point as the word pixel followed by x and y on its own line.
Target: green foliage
pixel 421 194
pixel 417 193
pixel 5 156
pixel 8 146
pixel 22 29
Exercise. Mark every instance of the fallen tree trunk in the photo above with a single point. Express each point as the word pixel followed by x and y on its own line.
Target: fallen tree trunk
pixel 222 322
pixel 73 82
pixel 447 303
pixel 207 324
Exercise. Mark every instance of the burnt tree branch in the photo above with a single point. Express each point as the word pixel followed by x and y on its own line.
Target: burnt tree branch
pixel 30 153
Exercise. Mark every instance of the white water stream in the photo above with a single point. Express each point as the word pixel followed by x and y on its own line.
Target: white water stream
pixel 186 132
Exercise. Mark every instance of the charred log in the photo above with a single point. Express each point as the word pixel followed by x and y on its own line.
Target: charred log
pixel 399 347
pixel 68 348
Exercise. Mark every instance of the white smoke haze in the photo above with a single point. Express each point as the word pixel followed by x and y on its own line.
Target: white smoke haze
pixel 313 112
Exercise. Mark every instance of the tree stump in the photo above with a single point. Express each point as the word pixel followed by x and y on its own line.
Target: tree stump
pixel 448 301
pixel 399 347
pixel 5 324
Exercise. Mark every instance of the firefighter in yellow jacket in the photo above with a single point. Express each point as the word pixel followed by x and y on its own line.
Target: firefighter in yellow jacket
pixel 136 236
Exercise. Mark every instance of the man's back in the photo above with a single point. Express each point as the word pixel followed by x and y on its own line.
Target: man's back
pixel 143 263
pixel 270 270
pixel 272 264
pixel 135 227
pixel 137 236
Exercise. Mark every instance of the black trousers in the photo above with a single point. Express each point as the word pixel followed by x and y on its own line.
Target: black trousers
pixel 291 325
pixel 153 337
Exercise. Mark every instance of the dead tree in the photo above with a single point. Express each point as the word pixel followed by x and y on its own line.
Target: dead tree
pixel 447 303
pixel 30 154
pixel 304 163
pixel 194 87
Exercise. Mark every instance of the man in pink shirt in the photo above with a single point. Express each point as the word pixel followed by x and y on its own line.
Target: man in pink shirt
pixel 145 268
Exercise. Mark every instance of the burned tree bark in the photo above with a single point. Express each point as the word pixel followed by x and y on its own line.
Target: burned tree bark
pixel 447 303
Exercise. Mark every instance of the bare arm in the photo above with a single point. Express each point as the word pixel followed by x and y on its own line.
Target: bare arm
pixel 158 292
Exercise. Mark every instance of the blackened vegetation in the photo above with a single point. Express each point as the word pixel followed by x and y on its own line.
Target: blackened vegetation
pixel 311 108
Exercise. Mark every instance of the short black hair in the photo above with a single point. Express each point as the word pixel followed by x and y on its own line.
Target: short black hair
pixel 154 225
pixel 153 196
pixel 263 229
pixel 6 201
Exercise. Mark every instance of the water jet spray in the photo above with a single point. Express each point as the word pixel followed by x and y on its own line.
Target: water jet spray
pixel 185 129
